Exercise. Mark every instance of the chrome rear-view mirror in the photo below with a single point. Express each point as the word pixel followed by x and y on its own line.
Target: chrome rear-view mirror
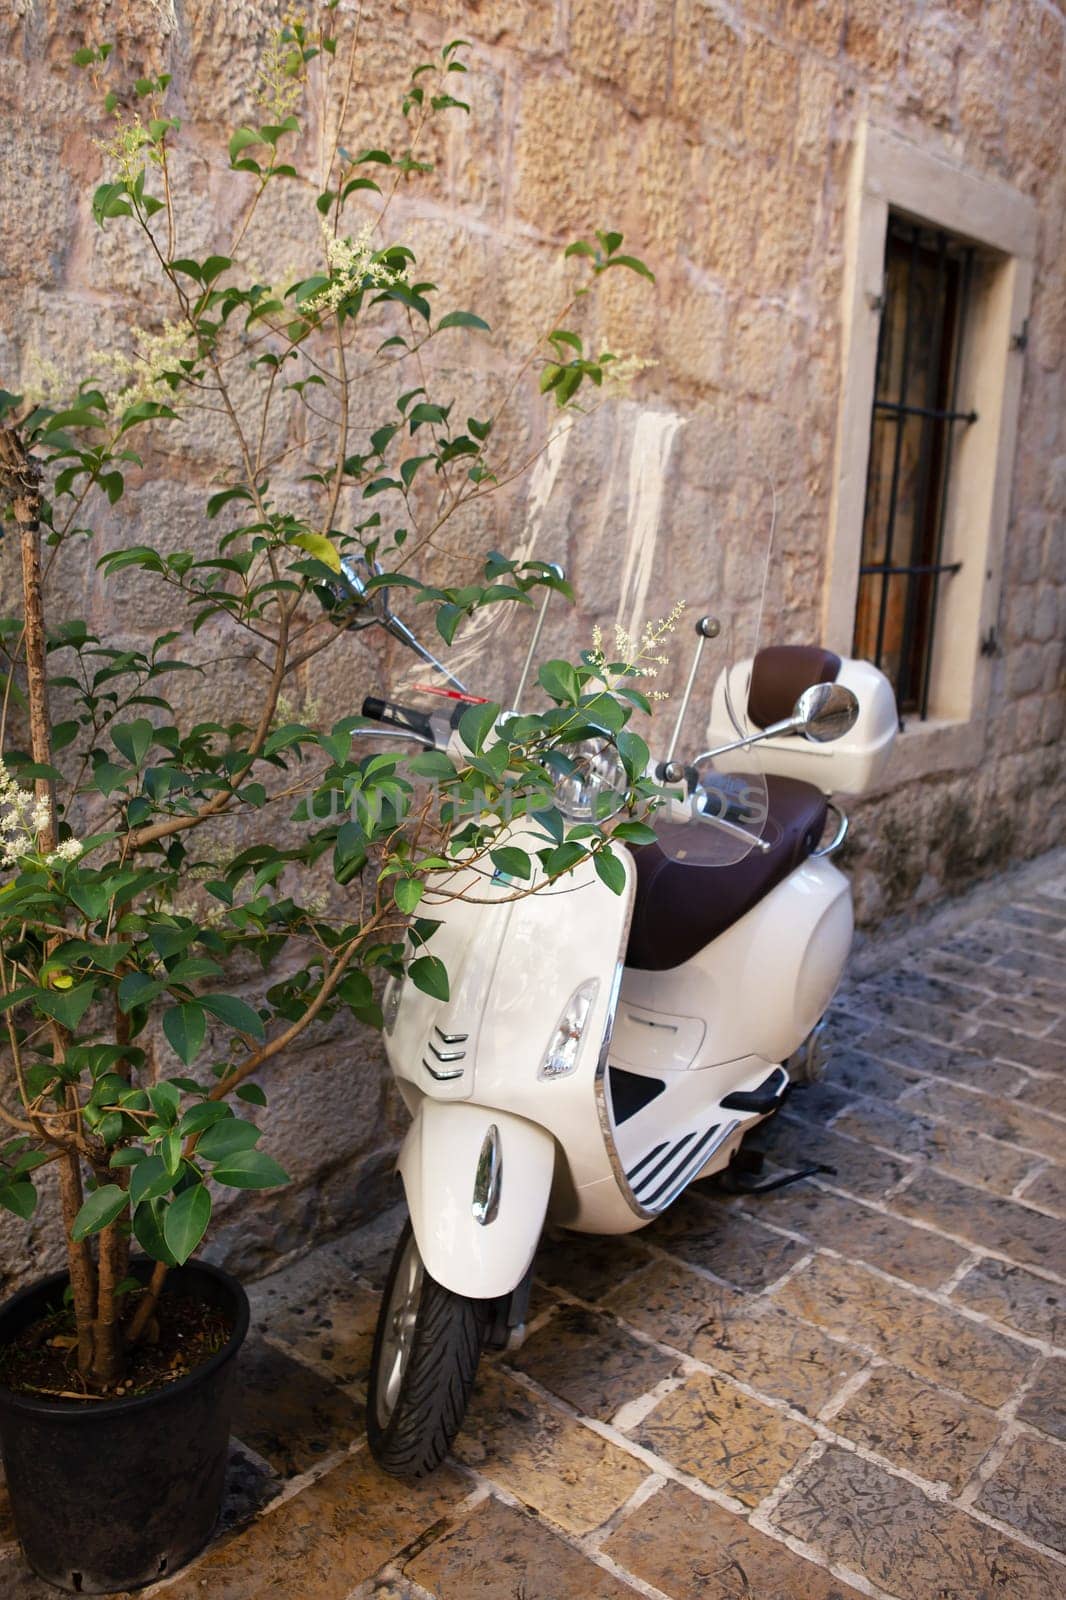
pixel 824 712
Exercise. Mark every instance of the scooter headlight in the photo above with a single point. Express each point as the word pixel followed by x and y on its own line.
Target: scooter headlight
pixel 560 1058
pixel 594 788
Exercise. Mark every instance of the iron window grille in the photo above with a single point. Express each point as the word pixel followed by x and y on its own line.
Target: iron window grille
pixel 914 423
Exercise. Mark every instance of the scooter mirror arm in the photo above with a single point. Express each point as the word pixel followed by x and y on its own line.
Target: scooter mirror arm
pixel 399 630
pixel 556 570
pixel 774 731
pixel 706 628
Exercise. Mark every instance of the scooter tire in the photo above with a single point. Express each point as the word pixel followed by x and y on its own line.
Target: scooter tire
pixel 412 1430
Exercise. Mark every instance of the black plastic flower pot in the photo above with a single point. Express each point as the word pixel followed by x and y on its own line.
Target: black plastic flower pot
pixel 114 1494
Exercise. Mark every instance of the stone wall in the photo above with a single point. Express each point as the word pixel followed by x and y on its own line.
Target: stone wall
pixel 717 136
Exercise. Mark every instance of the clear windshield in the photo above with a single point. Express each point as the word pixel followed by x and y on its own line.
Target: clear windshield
pixel 720 813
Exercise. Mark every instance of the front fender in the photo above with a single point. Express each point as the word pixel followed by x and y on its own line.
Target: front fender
pixel 438 1163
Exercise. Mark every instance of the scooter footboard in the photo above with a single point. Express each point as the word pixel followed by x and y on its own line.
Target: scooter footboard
pixel 477 1183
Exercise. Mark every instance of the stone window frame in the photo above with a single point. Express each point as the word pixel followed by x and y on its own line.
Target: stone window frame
pixel 890 172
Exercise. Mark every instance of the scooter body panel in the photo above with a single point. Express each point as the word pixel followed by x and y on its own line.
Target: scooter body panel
pixel 439 1164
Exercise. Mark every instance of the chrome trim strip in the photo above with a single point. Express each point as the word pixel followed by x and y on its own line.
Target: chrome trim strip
pixel 724 1133
pixel 450 1038
pixel 485 1204
pixel 603 1110
pixel 447 1055
pixel 443 1077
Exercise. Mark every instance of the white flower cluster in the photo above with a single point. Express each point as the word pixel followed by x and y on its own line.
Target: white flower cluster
pixel 141 376
pixel 351 265
pixel 123 149
pixel 643 655
pixel 620 373
pixel 23 817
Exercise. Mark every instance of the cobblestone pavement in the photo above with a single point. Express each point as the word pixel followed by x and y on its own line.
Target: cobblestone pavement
pixel 850 1386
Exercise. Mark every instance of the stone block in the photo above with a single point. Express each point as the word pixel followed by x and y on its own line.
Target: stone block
pixel 542 1455
pixel 1025 1490
pixel 885 1528
pixel 591 1363
pixel 918 1427
pixel 691 1549
pixel 725 1438
pixel 1027 1236
pixel 914 1332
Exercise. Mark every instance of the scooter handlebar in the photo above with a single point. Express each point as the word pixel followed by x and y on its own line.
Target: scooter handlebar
pixel 398 716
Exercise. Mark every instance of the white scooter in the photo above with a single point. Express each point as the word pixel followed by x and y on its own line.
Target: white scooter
pixel 600 1052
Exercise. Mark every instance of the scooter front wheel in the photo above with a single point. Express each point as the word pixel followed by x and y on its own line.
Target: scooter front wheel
pixel 427 1347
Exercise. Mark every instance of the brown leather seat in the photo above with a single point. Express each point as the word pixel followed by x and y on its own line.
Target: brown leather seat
pixel 681 906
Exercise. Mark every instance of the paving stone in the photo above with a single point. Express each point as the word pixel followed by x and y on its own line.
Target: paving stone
pixel 880 1005
pixel 944 1060
pixel 1047 1093
pixel 324 1541
pixel 777 1354
pixel 289 1414
pixel 818 1103
pixel 1028 917
pixel 324 1315
pixel 990 1115
pixel 964 1155
pixel 1027 1014
pixel 1048 1190
pixel 905 1328
pixel 1026 1490
pixel 591 1362
pixel 1028 1237
pixel 1042 964
pixel 856 1167
pixel 671 1302
pixel 725 1241
pixel 498 1553
pixel 861 1233
pixel 722 1436
pixel 1015 1297
pixel 865 1074
pixel 1044 1404
pixel 586 1265
pixel 1042 1055
pixel 546 1458
pixel 937 1437
pixel 855 1513
pixel 693 1550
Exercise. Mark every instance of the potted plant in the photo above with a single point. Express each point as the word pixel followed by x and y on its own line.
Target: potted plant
pixel 132 910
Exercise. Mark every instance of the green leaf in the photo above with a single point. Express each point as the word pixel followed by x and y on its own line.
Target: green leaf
pixel 102 1207
pixel 202 1116
pixel 133 739
pixel 66 1006
pixel 185 1222
pixel 635 833
pixel 250 1169
pixel 241 141
pixel 634 266
pixel 149 1180
pixel 463 319
pixel 165 1100
pixel 185 1027
pixel 317 545
pixel 148 1231
pixel 21 1198
pixel 407 893
pixel 234 1013
pixel 560 680
pixel 429 974
pixel 563 858
pixel 226 1138
pixel 610 870
pixel 513 863
pixel 252 1094
pixel 224 496
pixel 475 725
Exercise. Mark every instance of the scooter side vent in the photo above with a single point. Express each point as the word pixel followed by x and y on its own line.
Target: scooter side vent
pixel 660 1175
pixel 446 1049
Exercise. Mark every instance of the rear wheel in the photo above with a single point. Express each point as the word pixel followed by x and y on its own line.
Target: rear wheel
pixel 426 1351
